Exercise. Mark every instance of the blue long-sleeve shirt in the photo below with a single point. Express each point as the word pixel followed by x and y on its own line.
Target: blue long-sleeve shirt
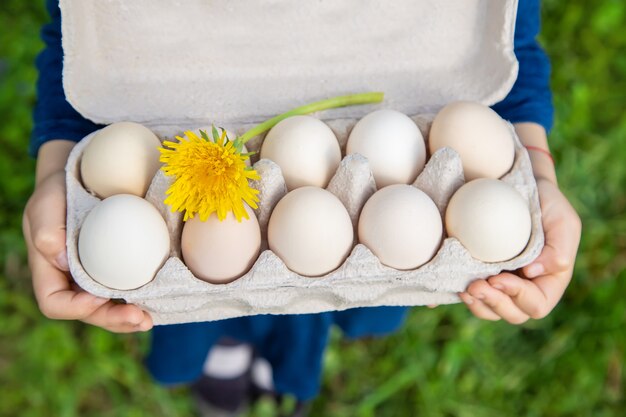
pixel 293 344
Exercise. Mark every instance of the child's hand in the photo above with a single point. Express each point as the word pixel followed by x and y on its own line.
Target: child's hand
pixel 58 297
pixel 539 286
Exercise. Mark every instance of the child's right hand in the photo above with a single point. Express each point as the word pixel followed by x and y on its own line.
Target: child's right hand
pixel 44 232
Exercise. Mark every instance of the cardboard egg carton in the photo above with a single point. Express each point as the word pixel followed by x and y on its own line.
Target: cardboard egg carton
pixel 423 54
pixel 177 296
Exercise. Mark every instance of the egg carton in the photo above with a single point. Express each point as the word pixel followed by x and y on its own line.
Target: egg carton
pixel 177 296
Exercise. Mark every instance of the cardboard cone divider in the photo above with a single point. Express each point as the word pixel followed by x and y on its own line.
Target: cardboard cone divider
pixel 176 296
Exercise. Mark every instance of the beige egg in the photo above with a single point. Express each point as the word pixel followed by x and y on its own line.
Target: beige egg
pixel 221 251
pixel 305 149
pixel 402 226
pixel 393 145
pixel 123 242
pixel 490 218
pixel 480 136
pixel 311 231
pixel 122 158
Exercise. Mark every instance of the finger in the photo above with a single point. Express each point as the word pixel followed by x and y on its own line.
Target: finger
pixel 61 301
pixel 54 294
pixel 120 318
pixel 57 302
pixel 46 220
pixel 433 305
pixel 145 326
pixel 535 297
pixel 498 302
pixel 478 308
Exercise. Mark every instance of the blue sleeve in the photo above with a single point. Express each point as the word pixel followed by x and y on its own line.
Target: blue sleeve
pixel 530 99
pixel 54 117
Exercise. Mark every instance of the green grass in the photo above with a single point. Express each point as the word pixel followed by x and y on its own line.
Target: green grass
pixel 443 362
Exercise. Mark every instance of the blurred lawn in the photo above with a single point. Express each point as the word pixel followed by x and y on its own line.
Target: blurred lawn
pixel 444 362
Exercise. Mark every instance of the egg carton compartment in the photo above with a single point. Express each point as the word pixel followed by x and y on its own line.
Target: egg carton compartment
pixel 176 296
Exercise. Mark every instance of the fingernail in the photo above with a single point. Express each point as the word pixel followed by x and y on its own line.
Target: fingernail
pixel 61 261
pixel 535 270
pixel 467 299
pixel 135 320
pixel 145 326
pixel 498 286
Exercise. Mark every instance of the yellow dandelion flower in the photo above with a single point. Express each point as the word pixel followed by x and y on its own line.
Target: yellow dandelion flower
pixel 210 176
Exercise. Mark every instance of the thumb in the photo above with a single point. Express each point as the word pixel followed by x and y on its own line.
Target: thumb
pixel 548 261
pixel 562 227
pixel 558 253
pixel 46 217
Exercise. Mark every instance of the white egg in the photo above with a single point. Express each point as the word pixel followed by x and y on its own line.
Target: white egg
pixel 393 145
pixel 480 136
pixel 122 158
pixel 305 149
pixel 221 251
pixel 311 231
pixel 123 242
pixel 490 218
pixel 401 225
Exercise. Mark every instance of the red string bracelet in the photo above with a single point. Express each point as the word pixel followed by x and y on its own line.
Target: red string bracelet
pixel 544 151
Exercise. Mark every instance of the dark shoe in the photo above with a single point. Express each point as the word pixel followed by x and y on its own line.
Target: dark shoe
pixel 261 384
pixel 223 389
pixel 226 396
pixel 221 397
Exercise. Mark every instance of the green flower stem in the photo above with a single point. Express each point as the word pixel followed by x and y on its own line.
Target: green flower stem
pixel 331 103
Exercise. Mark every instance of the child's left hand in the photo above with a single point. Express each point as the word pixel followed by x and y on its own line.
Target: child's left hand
pixel 536 289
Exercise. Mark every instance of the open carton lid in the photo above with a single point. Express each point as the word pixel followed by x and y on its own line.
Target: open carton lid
pixel 197 62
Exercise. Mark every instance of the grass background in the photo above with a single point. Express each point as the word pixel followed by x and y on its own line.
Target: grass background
pixel 444 362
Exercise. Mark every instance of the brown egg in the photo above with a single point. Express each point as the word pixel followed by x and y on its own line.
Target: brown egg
pixel 221 251
pixel 480 136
